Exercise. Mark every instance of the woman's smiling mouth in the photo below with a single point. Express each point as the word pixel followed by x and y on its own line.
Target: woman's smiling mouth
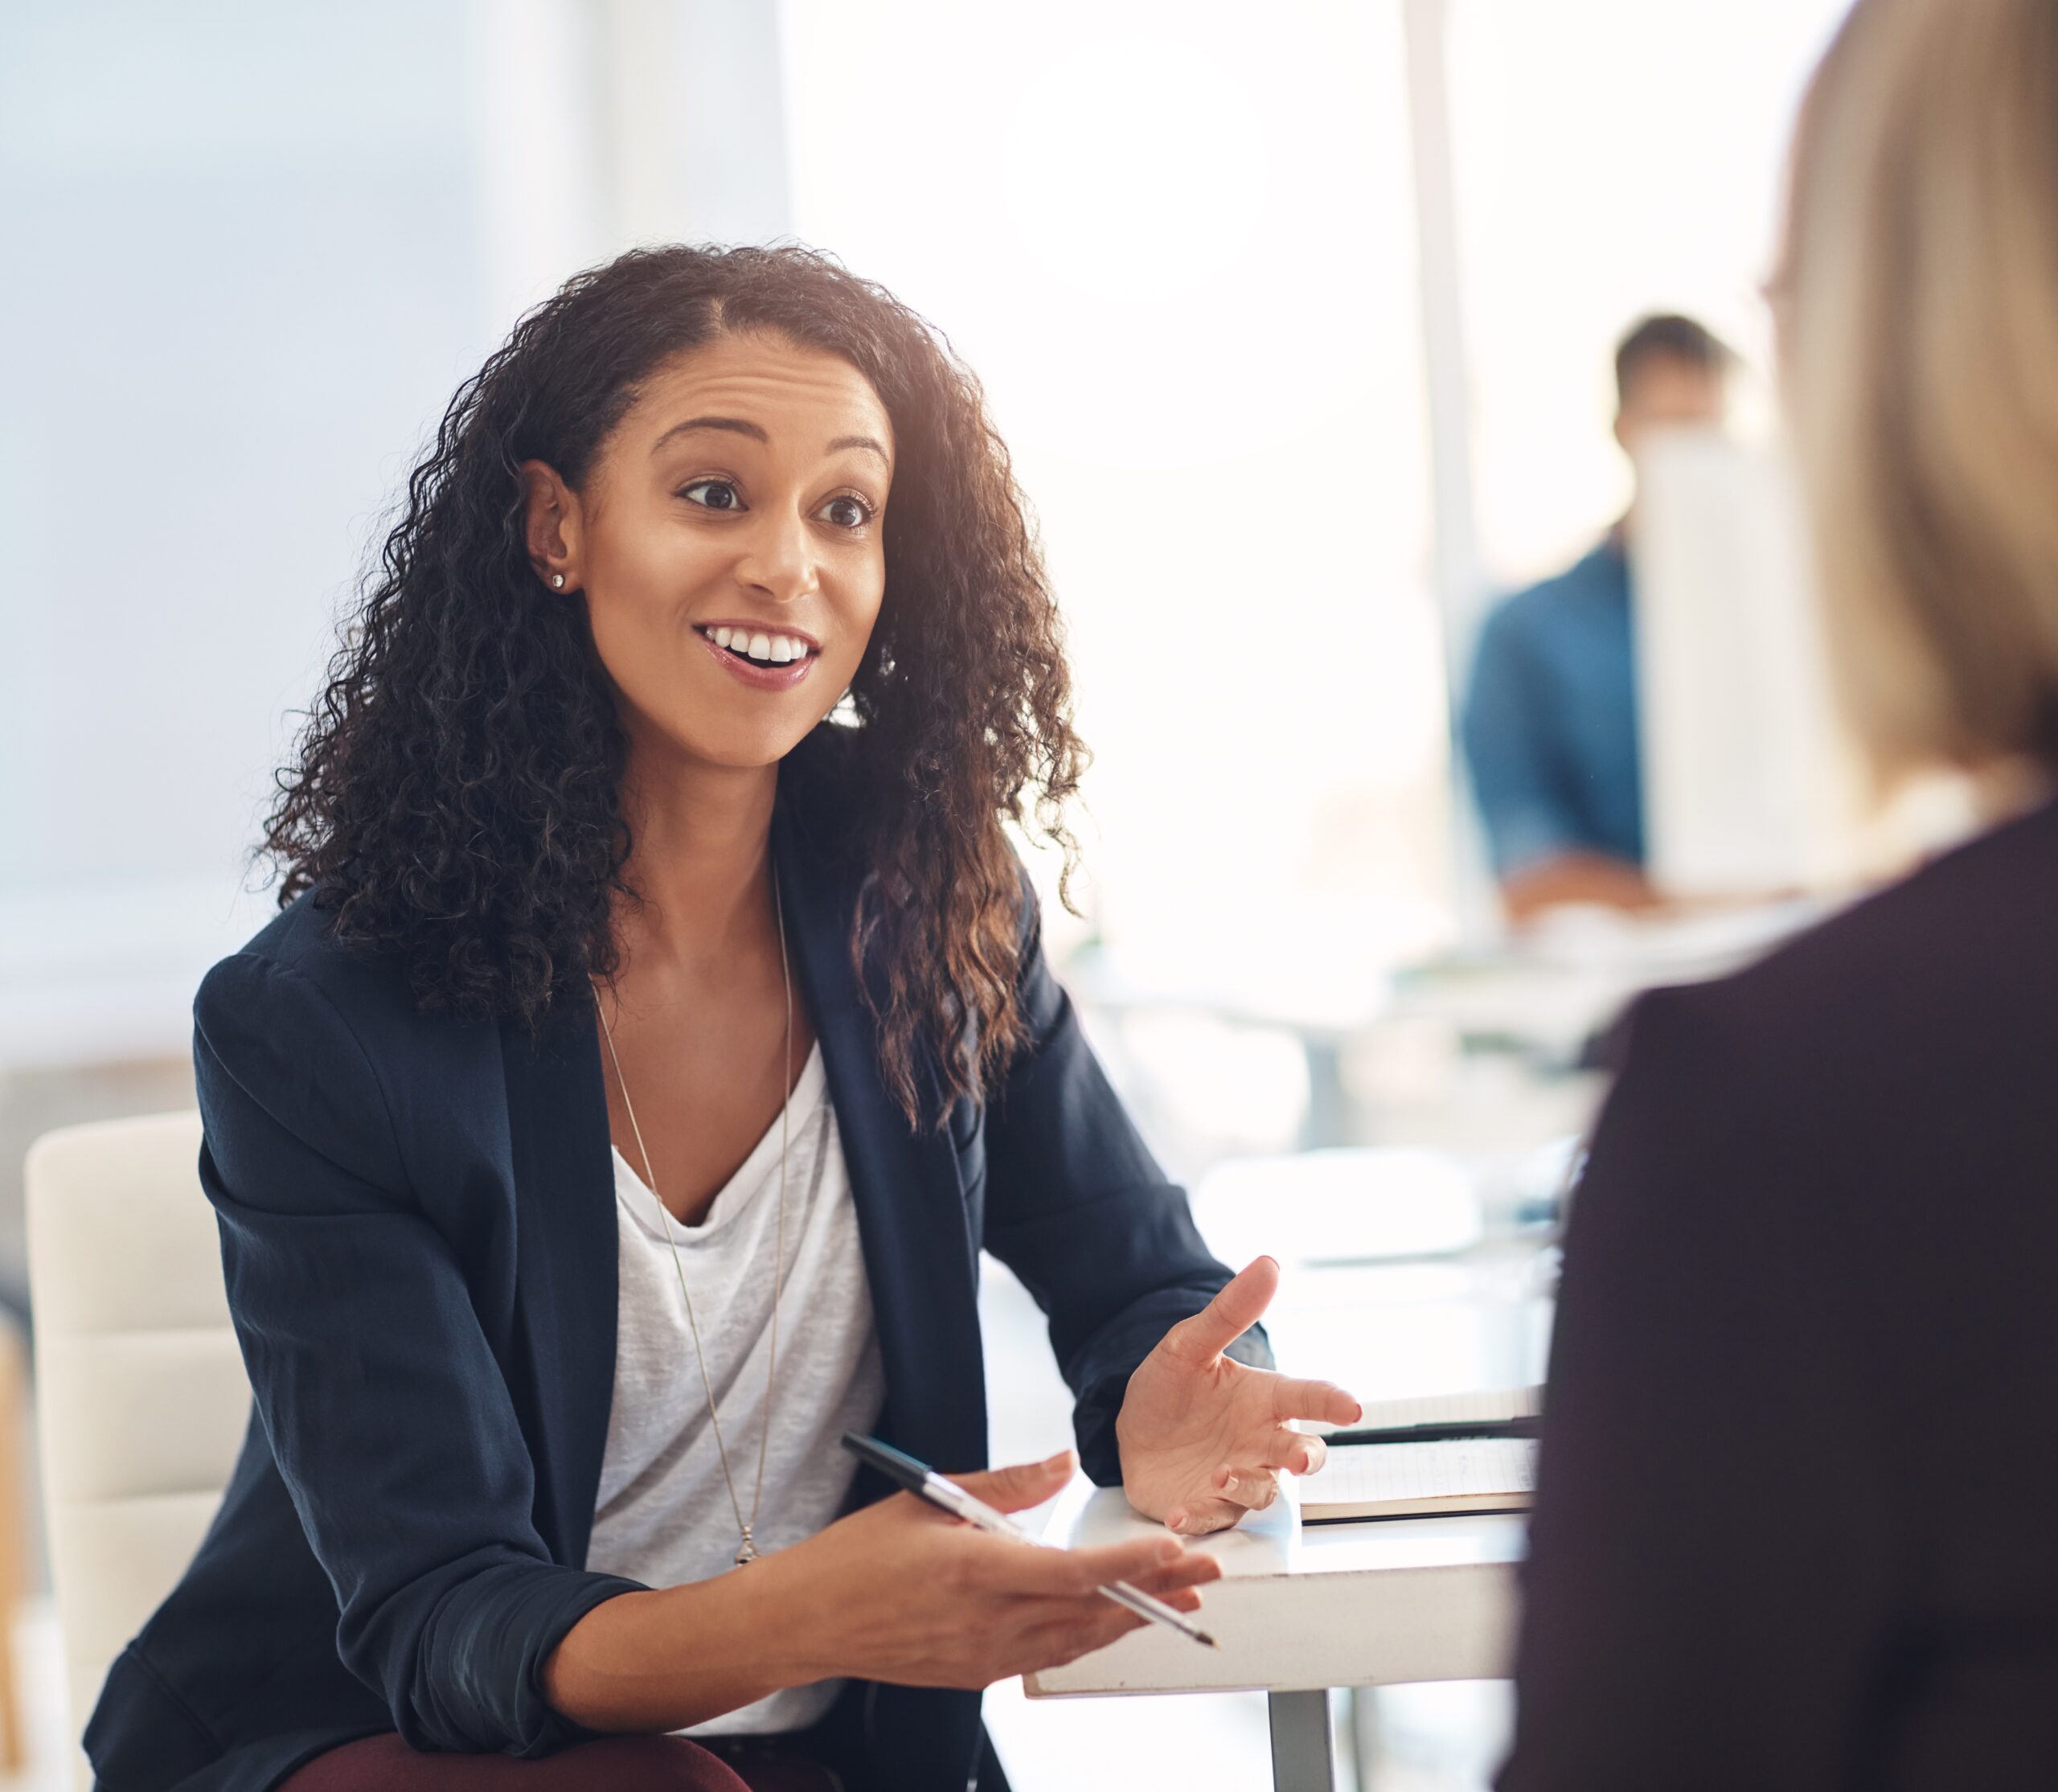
pixel 766 659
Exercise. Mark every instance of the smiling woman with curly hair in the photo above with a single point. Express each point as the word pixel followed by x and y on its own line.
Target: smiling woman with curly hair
pixel 460 792
pixel 655 1029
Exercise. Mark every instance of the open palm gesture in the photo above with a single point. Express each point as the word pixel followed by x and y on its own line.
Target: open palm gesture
pixel 1203 1437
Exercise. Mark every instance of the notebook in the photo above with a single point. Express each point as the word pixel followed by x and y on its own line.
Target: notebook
pixel 1419 1480
pixel 1485 1404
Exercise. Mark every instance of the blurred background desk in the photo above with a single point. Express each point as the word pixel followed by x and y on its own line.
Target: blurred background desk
pixel 1484 1053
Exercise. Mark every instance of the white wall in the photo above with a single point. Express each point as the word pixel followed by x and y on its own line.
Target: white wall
pixel 251 249
pixel 242 262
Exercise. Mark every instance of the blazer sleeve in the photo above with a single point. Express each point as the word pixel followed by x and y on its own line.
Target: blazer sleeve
pixel 388 1415
pixel 1709 1571
pixel 1078 1208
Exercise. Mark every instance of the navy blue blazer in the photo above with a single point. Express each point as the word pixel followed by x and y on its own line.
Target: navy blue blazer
pixel 419 1235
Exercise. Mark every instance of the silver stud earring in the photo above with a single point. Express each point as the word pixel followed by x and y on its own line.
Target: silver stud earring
pixel 557 581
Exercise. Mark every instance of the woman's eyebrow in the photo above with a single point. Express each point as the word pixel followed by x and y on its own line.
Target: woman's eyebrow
pixel 742 426
pixel 860 441
pixel 738 425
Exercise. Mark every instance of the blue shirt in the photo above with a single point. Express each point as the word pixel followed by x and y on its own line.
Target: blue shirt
pixel 1550 723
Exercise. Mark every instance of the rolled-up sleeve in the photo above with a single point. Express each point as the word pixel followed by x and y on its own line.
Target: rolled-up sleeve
pixel 388 1415
pixel 1079 1209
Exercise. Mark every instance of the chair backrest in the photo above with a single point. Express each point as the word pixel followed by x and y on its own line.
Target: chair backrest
pixel 142 1400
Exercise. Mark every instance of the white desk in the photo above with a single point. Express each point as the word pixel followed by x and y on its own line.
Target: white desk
pixel 1299 1610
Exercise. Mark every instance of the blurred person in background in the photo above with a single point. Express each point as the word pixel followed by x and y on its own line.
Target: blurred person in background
pixel 1793 1524
pixel 1550 716
pixel 655 1028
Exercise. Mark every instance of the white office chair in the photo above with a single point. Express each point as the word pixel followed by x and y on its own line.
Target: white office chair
pixel 140 1395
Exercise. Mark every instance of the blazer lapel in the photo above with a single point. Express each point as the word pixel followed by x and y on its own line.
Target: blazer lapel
pixel 919 1257
pixel 567 1266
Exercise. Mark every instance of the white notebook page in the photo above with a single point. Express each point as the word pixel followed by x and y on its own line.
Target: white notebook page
pixel 1471 1409
pixel 1364 1473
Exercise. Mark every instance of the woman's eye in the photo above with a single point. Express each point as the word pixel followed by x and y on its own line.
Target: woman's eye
pixel 847 512
pixel 713 494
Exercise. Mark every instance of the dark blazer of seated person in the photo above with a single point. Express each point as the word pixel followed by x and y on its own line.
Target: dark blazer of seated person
pixel 402 1543
pixel 1792 1522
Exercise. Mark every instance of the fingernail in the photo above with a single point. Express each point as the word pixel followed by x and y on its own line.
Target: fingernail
pixel 1062 1459
pixel 1170 1550
pixel 1174 1518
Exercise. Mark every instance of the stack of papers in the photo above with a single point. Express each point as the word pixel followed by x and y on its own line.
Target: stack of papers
pixel 1413 1480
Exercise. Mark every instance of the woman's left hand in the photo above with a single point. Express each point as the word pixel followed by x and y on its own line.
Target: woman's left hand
pixel 1202 1437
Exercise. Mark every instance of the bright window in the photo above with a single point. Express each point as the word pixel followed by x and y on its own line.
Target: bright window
pixel 1178 246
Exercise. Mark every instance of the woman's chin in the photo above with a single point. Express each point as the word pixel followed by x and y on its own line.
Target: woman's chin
pixel 742 749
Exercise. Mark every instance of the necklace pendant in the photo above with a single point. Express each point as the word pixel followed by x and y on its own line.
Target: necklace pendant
pixel 748 1552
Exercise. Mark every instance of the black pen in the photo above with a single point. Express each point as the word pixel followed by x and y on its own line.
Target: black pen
pixel 1442 1431
pixel 919 1478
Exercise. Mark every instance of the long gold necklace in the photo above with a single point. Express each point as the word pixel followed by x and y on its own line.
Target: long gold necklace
pixel 749 1551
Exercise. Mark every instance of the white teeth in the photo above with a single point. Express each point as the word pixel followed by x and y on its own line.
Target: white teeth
pixel 775 649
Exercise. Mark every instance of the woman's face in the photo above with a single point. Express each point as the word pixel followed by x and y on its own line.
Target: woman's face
pixel 727 544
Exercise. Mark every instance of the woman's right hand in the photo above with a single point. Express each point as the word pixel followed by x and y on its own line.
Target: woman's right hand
pixel 901 1592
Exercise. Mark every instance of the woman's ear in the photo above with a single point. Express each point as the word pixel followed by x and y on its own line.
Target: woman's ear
pixel 552 525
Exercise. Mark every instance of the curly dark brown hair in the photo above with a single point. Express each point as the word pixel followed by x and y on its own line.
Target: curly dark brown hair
pixel 455 797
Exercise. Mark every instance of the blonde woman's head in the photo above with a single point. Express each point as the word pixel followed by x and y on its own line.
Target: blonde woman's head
pixel 1917 304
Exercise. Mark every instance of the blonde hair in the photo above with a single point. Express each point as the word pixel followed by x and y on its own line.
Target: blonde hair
pixel 1918 310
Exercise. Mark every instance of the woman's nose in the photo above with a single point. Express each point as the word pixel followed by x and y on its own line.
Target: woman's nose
pixel 778 557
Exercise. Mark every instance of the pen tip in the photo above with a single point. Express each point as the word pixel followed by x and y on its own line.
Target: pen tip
pixel 1208 1639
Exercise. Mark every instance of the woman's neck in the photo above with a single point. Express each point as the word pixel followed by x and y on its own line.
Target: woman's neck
pixel 700 857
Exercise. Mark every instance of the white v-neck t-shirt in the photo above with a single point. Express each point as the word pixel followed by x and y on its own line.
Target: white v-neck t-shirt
pixel 663 1515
